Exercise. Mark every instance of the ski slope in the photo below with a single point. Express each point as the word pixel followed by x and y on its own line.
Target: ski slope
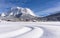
pixel 29 29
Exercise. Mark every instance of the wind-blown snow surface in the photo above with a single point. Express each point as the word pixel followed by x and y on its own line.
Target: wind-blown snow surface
pixel 30 30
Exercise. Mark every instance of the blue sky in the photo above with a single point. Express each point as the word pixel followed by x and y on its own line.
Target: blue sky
pixel 40 7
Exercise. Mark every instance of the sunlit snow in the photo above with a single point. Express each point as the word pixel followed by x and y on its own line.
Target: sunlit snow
pixel 29 29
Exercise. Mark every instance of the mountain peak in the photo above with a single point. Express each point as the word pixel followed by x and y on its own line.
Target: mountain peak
pixel 18 10
pixel 30 11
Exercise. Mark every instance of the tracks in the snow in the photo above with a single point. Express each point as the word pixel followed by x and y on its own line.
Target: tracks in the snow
pixel 25 32
pixel 30 30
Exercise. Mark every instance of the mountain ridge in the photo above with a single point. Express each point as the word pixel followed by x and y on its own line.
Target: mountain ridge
pixel 19 13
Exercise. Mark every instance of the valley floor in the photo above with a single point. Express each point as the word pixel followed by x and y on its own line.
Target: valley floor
pixel 29 29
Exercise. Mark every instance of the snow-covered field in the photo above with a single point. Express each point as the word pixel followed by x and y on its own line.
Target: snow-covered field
pixel 29 29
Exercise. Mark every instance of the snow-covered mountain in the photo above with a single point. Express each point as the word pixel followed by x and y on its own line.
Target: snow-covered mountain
pixel 19 13
pixel 26 14
pixel 19 10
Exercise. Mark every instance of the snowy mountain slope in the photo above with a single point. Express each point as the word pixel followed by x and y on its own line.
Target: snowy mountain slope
pixel 19 14
pixel 18 10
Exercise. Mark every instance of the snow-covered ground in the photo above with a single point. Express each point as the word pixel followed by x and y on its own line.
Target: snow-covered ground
pixel 29 29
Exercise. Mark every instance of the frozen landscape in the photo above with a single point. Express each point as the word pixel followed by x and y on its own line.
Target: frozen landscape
pixel 29 29
pixel 21 22
pixel 29 18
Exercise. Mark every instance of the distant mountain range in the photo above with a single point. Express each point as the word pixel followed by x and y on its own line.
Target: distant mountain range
pixel 52 17
pixel 26 14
